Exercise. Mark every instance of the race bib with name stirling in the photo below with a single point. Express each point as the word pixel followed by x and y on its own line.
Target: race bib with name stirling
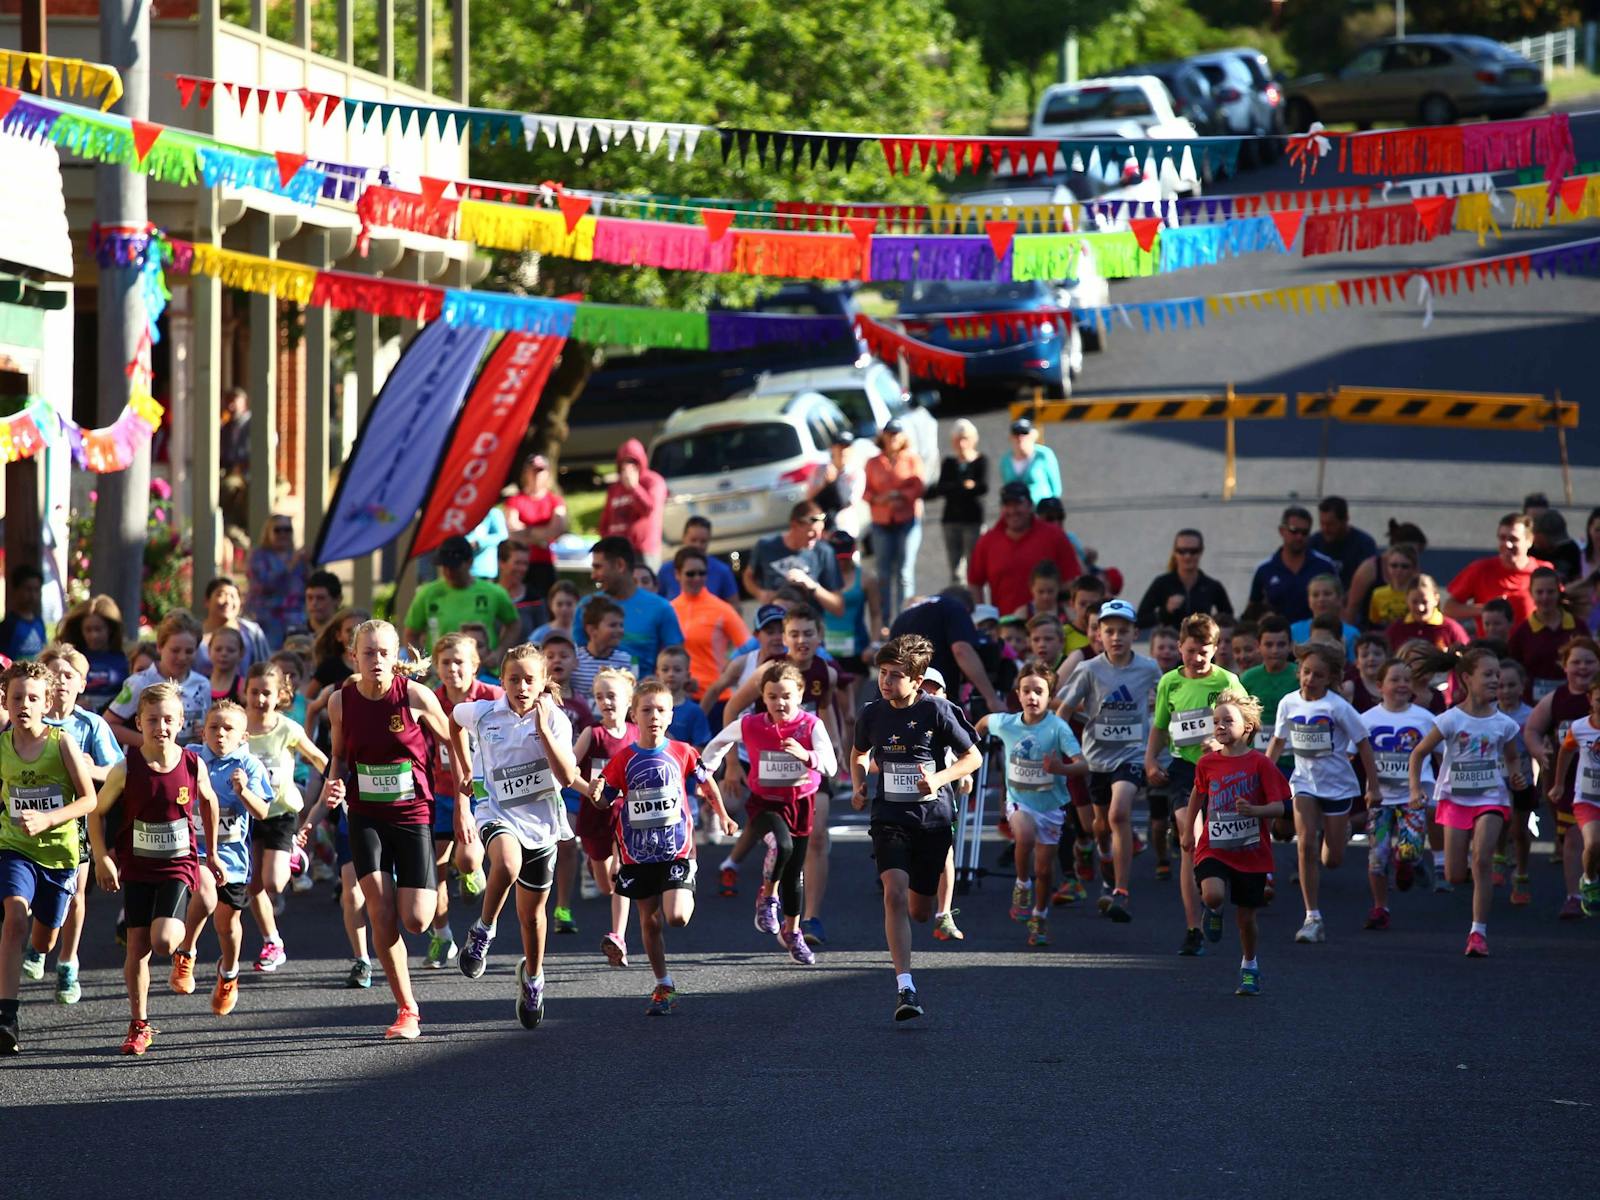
pixel 654 808
pixel 1190 727
pixel 524 783
pixel 1027 773
pixel 385 783
pixel 44 798
pixel 161 839
pixel 901 783
pixel 774 768
pixel 1230 831
pixel 232 826
pixel 1312 741
pixel 1474 776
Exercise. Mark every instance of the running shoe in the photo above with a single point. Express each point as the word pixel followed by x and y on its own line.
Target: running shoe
pixel 475 955
pixel 615 950
pixel 140 1035
pixel 1103 903
pixel 907 1007
pixel 32 964
pixel 1588 893
pixel 795 944
pixel 67 989
pixel 1441 884
pixel 1249 982
pixel 407 1025
pixel 1405 875
pixel 944 927
pixel 1499 870
pixel 1083 860
pixel 322 872
pixel 1139 844
pixel 811 929
pixel 302 882
pixel 360 974
pixel 1021 901
pixel 768 915
pixel 1520 895
pixel 1038 931
pixel 530 998
pixel 1311 931
pixel 662 1001
pixel 1572 909
pixel 1069 892
pixel 472 884
pixel 225 996
pixel 1377 918
pixel 1118 910
pixel 441 949
pixel 588 889
pixel 182 978
pixel 1194 944
pixel 1163 871
pixel 1211 923
pixel 564 922
pixel 769 860
pixel 728 882
pixel 272 957
pixel 1477 946
pixel 10 1036
pixel 1268 892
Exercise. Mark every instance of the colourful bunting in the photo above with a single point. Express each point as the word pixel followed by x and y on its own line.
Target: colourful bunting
pixel 1000 235
pixel 144 137
pixel 1144 231
pixel 924 361
pixel 1287 222
pixel 573 209
pixel 717 222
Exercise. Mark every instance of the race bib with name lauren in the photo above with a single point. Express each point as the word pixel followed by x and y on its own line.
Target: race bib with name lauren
pixel 385 783
pixel 161 839
pixel 1230 830
pixel 524 783
pixel 900 783
pixel 43 798
pixel 1190 727
pixel 1310 740
pixel 654 808
pixel 774 768
pixel 1474 776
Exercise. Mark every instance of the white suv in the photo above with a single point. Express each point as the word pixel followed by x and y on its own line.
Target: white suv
pixel 870 396
pixel 743 463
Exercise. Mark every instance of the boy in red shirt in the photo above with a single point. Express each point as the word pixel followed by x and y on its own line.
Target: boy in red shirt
pixel 1238 790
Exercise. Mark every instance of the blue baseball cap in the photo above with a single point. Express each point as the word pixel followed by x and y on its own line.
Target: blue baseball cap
pixel 1118 608
pixel 768 613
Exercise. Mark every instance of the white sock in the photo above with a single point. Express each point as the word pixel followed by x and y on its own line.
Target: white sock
pixel 539 979
pixel 1041 912
pixel 663 980
pixel 729 865
pixel 67 962
pixel 1313 914
pixel 1025 884
pixel 939 916
pixel 1438 859
pixel 364 959
pixel 445 929
pixel 1247 964
pixel 1480 927
pixel 903 982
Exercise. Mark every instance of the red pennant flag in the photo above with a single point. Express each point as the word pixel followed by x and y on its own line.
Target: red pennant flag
pixel 243 93
pixel 330 105
pixel 1000 235
pixel 1144 231
pixel 573 208
pixel 262 96
pixel 1572 193
pixel 717 221
pixel 289 166
pixel 310 99
pixel 923 150
pixel 207 86
pixel 433 189
pixel 280 97
pixel 1428 210
pixel 1288 223
pixel 186 86
pixel 8 98
pixel 144 137
pixel 861 229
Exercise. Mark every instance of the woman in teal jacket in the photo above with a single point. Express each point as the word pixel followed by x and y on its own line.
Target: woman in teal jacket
pixel 1030 462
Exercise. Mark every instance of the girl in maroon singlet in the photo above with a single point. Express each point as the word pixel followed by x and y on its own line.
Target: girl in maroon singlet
pixel 1545 731
pixel 153 863
pixel 596 746
pixel 382 721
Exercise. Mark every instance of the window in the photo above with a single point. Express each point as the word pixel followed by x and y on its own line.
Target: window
pixel 1367 62
pixel 852 401
pixel 725 448
pixel 1096 104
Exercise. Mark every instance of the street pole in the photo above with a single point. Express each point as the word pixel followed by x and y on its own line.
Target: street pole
pixel 1400 18
pixel 120 202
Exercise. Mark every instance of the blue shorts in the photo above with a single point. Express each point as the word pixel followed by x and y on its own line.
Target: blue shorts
pixel 341 841
pixel 47 891
pixel 444 815
pixel 572 800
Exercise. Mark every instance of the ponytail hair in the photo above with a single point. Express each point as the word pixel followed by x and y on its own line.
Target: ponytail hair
pixel 415 666
pixel 1460 661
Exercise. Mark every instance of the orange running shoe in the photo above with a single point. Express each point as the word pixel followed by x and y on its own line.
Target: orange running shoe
pixel 225 996
pixel 407 1025
pixel 140 1035
pixel 182 977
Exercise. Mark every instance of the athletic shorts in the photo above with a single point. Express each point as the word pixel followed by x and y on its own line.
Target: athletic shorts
pixel 341 841
pixel 1464 816
pixel 1526 800
pixel 276 833
pixel 1159 801
pixel 234 895
pixel 918 851
pixel 1100 782
pixel 538 873
pixel 1047 826
pixel 1180 782
pixel 595 831
pixel 1586 812
pixel 444 816
pixel 572 799
pixel 645 881
pixel 1246 889
pixel 48 891
pixel 145 903
pixel 1331 808
pixel 405 850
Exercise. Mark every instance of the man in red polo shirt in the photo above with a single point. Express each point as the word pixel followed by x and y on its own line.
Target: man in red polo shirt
pixel 1506 574
pixel 1004 558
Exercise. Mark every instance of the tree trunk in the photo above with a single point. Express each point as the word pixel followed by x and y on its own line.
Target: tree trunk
pixel 548 433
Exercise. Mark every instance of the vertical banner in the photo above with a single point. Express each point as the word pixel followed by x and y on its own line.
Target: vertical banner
pixel 491 428
pixel 388 472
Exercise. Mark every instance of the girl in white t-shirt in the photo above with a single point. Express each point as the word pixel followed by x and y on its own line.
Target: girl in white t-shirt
pixel 1474 802
pixel 1581 746
pixel 1322 730
pixel 1399 830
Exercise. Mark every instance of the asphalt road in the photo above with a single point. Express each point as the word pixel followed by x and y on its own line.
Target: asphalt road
pixel 1103 1064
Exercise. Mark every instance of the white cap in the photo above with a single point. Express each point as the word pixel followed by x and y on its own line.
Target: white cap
pixel 985 612
pixel 932 675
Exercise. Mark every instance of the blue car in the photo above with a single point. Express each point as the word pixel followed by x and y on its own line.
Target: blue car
pixel 1004 354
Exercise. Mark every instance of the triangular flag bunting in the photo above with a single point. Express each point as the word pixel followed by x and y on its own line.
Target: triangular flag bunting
pixel 289 166
pixel 1288 222
pixel 207 86
pixel 186 86
pixel 1572 193
pixel 573 209
pixel 433 189
pixel 1000 235
pixel 1144 231
pixel 144 136
pixel 8 98
pixel 861 228
pixel 1428 210
pixel 243 94
pixel 717 221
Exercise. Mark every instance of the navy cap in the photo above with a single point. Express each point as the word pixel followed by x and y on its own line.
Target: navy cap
pixel 768 613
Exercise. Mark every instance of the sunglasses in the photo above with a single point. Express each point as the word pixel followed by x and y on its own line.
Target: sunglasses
pixel 1297 530
pixel 694 574
pixel 1186 550
pixel 283 529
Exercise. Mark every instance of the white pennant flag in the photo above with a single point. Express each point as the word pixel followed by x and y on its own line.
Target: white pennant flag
pixel 568 127
pixel 548 128
pixel 674 140
pixel 585 128
pixel 691 135
pixel 638 132
pixel 1096 167
pixel 1150 171
pixel 530 131
pixel 602 134
pixel 654 134
pixel 1186 168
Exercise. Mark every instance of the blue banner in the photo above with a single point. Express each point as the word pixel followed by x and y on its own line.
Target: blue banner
pixel 402 439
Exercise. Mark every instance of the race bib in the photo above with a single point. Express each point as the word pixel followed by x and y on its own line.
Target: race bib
pixel 839 642
pixel 1118 731
pixel 523 783
pixel 774 768
pixel 1543 687
pixel 1474 776
pixel 1027 773
pixel 1589 784
pixel 44 798
pixel 1393 766
pixel 1261 740
pixel 1230 829
pixel 654 808
pixel 900 783
pixel 596 765
pixel 444 756
pixel 161 839
pixel 232 826
pixel 1190 727
pixel 1561 732
pixel 385 783
pixel 280 774
pixel 194 716
pixel 1310 740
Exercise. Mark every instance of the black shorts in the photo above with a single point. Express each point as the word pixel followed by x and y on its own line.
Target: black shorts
pixel 1157 800
pixel 276 833
pixel 404 850
pixel 145 903
pixel 538 873
pixel 645 881
pixel 918 851
pixel 1525 801
pixel 1247 889
pixel 234 895
pixel 1100 782
pixel 1180 782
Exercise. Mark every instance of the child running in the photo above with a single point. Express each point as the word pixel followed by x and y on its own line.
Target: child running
pixel 791 755
pixel 511 811
pixel 594 749
pixel 1399 831
pixel 906 733
pixel 1581 748
pixel 560 657
pixel 47 788
pixel 1321 730
pixel 245 795
pixel 1473 803
pixel 154 862
pixel 1039 749
pixel 177 641
pixel 646 787
pixel 1239 790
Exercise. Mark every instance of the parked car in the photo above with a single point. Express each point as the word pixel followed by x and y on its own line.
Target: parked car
pixel 870 396
pixel 1135 107
pixel 1267 85
pixel 1190 91
pixel 744 463
pixel 1047 360
pixel 1241 109
pixel 1434 79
